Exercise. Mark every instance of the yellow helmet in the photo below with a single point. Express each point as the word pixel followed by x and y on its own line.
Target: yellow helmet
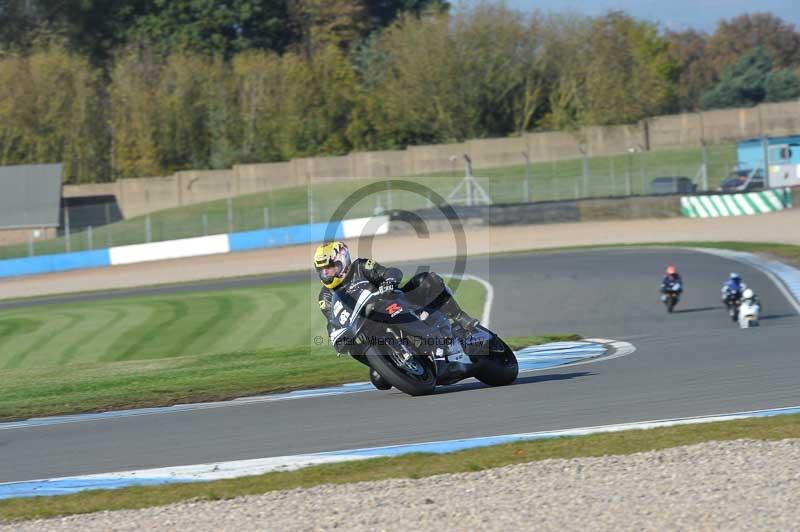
pixel 332 254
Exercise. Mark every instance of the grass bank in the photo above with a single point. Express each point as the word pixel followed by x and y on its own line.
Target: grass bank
pixel 788 253
pixel 410 466
pixel 167 349
pixel 616 175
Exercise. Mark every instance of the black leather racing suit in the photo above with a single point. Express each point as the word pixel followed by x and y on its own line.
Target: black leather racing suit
pixel 425 289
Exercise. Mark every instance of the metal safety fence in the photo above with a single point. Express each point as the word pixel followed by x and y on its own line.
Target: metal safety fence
pixel 89 226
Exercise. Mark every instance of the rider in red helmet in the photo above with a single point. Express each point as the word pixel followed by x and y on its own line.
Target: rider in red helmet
pixel 671 282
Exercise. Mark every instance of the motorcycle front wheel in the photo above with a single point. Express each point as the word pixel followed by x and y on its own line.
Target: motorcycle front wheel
pixel 499 367
pixel 415 376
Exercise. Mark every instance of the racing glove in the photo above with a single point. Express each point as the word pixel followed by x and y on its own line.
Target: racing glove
pixel 387 286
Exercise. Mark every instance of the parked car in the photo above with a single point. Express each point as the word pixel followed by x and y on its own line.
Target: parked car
pixel 743 181
pixel 672 185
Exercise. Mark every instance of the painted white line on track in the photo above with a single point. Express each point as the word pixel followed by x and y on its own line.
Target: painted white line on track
pixel 241 468
pixel 487 305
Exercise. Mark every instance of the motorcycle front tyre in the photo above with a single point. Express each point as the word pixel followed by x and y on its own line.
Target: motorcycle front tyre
pixel 423 384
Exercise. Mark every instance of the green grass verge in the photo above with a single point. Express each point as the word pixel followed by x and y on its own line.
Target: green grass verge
pixel 609 176
pixel 518 342
pixel 160 350
pixel 788 253
pixel 160 326
pixel 409 466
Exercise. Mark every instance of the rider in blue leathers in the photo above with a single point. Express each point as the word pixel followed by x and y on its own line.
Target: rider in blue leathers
pixel 733 288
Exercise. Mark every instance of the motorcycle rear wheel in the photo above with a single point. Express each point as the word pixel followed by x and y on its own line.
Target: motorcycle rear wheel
pixel 419 382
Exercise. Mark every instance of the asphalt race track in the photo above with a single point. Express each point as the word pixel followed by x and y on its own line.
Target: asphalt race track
pixel 694 362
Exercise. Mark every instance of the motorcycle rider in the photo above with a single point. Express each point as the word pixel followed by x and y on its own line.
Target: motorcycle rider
pixel 671 282
pixel 750 296
pixel 732 288
pixel 338 273
pixel 750 305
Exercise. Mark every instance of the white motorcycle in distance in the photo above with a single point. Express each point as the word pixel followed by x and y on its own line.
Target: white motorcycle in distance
pixel 749 310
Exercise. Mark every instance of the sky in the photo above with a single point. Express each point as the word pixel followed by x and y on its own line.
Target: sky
pixel 670 14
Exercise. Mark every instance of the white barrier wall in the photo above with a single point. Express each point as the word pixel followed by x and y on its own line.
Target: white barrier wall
pixel 171 249
pixel 372 226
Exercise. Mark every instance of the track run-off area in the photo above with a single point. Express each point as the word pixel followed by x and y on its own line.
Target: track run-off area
pixel 694 362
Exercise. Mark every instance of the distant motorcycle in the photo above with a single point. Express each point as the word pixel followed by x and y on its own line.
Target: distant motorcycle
pixel 732 292
pixel 671 296
pixel 749 310
pixel 732 302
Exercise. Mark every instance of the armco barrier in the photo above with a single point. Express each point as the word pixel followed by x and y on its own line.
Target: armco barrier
pixel 194 247
pixel 744 204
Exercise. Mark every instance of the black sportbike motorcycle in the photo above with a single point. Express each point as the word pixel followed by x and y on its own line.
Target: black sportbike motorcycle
pixel 670 299
pixel 732 302
pixel 417 349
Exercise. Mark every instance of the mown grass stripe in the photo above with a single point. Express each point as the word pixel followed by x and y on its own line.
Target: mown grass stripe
pixel 271 320
pixel 94 317
pixel 79 368
pixel 44 339
pixel 151 332
pixel 68 354
pixel 136 316
pixel 212 330
pixel 313 321
pixel 248 314
pixel 11 328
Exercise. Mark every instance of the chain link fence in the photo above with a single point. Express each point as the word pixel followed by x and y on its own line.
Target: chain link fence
pixel 100 225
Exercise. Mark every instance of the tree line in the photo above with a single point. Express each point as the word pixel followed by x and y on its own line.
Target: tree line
pixel 145 88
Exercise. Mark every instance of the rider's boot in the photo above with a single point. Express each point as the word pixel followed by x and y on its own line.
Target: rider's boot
pixel 378 381
pixel 457 314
